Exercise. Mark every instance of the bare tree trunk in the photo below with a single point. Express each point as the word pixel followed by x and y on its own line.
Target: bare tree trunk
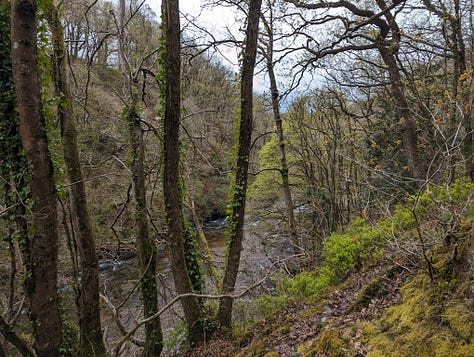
pixel 91 341
pixel 407 124
pixel 145 245
pixel 172 185
pixel 239 186
pixel 41 281
pixel 405 119
pixel 281 138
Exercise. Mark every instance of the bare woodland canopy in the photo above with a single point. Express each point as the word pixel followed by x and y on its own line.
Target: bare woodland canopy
pixel 122 131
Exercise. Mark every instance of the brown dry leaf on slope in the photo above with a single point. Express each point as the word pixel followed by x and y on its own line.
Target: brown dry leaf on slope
pixel 362 298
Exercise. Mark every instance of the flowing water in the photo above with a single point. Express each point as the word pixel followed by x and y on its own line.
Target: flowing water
pixel 120 278
pixel 260 251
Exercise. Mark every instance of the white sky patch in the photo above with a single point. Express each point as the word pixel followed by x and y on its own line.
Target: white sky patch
pixel 218 20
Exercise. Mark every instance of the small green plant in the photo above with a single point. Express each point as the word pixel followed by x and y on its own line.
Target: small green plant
pixel 177 338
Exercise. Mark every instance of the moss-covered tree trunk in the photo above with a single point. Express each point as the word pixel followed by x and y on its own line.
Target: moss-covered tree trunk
pixel 145 245
pixel 91 342
pixel 41 279
pixel 239 186
pixel 172 185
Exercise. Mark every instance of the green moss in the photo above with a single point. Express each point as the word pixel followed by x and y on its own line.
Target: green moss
pixel 328 343
pixel 460 320
pixel 269 304
pixel 271 354
pixel 433 318
pixel 422 325
pixel 374 288
pixel 257 348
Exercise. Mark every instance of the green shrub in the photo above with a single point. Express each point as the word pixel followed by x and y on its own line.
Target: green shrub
pixel 362 244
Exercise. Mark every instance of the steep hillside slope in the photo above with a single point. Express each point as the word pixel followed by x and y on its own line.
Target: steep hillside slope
pixel 401 286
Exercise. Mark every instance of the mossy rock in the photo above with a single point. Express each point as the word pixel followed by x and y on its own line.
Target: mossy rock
pixel 328 343
pixel 373 289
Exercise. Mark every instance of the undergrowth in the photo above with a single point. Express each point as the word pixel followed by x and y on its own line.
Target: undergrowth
pixel 436 317
pixel 363 243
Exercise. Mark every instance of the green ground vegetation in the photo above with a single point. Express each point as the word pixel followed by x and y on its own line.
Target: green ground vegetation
pixel 434 316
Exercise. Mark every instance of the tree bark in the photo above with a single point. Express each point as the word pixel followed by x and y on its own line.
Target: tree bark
pixel 21 345
pixel 145 245
pixel 239 186
pixel 41 280
pixel 405 119
pixel 13 166
pixel 91 341
pixel 172 185
pixel 285 182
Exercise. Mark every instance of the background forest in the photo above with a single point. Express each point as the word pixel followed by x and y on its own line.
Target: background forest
pixel 312 199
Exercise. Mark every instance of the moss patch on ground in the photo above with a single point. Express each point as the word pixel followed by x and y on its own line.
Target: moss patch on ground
pixel 434 319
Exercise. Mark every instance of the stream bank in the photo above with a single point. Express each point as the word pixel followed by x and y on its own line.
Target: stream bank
pixel 119 277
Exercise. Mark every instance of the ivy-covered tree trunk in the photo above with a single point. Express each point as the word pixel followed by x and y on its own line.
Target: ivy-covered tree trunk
pixel 13 167
pixel 145 245
pixel 239 186
pixel 41 279
pixel 14 171
pixel 91 342
pixel 172 184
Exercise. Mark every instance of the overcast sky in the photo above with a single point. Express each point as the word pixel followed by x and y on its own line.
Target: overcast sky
pixel 216 20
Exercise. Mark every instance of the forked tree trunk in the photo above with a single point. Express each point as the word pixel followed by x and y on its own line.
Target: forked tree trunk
pixel 91 342
pixel 172 185
pixel 239 186
pixel 41 280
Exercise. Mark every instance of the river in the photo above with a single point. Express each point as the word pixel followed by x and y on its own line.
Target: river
pixel 119 280
pixel 260 251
